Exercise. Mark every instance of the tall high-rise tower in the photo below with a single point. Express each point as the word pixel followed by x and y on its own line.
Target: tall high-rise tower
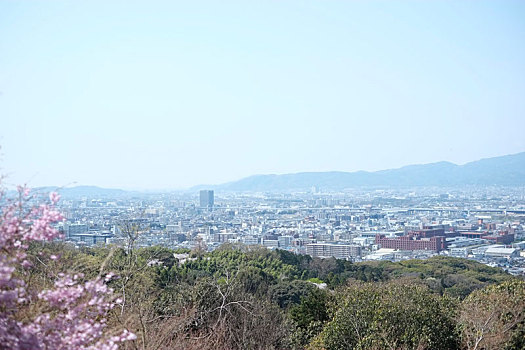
pixel 206 199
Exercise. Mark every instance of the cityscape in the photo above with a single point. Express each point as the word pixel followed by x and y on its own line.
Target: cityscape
pixel 482 224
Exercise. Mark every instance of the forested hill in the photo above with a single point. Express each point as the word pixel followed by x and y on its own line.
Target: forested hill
pixel 252 298
pixel 507 170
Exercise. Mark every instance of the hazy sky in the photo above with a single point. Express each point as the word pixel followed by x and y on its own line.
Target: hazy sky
pixel 171 94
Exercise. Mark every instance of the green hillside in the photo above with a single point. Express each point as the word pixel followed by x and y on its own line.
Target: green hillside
pixel 253 298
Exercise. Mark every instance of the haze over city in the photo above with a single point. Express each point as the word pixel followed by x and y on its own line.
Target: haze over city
pixel 160 94
pixel 262 175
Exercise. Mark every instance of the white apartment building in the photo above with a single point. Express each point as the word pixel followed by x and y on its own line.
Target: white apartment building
pixel 339 251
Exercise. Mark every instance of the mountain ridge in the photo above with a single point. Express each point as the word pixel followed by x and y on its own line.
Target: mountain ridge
pixel 508 170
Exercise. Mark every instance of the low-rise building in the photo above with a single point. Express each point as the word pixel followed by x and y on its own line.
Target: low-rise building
pixel 436 243
pixel 339 251
pixel 502 252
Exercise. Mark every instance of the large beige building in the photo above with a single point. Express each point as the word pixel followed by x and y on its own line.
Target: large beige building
pixel 339 251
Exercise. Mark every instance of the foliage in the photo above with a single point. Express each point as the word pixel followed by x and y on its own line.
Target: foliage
pixel 457 277
pixel 286 293
pixel 68 315
pixel 494 317
pixel 236 319
pixel 311 315
pixel 390 316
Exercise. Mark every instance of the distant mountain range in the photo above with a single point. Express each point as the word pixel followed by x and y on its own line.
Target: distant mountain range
pixel 500 171
pixel 84 191
pixel 505 171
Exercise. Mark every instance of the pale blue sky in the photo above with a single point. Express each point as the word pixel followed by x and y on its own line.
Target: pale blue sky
pixel 165 94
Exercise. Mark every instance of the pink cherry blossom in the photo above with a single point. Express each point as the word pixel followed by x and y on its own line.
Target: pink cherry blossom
pixel 75 312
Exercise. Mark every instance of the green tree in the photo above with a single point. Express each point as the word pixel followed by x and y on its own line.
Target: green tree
pixel 310 315
pixel 493 317
pixel 286 294
pixel 390 316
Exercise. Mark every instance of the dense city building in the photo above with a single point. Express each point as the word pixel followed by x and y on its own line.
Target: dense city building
pixel 354 225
